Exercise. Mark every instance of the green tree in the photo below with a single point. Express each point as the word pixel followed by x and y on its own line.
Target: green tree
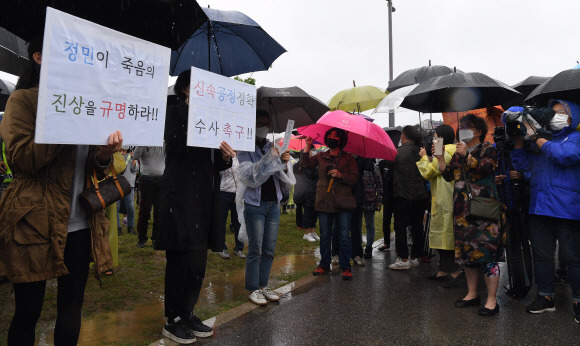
pixel 248 80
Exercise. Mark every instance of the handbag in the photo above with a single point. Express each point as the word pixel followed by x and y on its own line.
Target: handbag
pixel 344 202
pixel 482 207
pixel 103 193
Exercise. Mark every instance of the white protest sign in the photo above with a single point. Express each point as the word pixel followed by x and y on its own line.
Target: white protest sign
pixel 287 135
pixel 221 109
pixel 95 80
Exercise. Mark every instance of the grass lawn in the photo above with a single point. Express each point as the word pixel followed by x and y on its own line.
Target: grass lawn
pixel 139 278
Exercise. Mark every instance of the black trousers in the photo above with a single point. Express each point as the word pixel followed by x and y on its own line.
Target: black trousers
pixel 409 213
pixel 29 297
pixel 447 261
pixel 387 216
pixel 184 274
pixel 299 213
pixel 228 205
pixel 150 197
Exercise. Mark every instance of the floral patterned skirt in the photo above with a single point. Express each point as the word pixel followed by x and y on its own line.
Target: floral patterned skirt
pixel 476 241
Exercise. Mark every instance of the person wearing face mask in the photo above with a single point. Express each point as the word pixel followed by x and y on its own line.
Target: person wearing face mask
pixel 554 203
pixel 188 217
pixel 262 217
pixel 476 240
pixel 338 168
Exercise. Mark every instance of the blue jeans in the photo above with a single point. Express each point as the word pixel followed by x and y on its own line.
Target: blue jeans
pixel 341 223
pixel 544 231
pixel 129 201
pixel 262 228
pixel 370 224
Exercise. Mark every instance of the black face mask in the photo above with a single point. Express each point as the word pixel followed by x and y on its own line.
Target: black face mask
pixel 332 143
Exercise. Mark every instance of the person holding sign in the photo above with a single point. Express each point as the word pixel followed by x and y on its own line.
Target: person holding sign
pixel 262 212
pixel 45 233
pixel 337 173
pixel 189 218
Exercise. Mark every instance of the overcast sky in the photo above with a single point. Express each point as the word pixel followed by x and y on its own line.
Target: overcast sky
pixel 330 43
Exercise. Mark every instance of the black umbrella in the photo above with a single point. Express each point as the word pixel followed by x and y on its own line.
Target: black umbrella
pixel 458 92
pixel 6 88
pixel 229 43
pixel 13 53
pixel 418 75
pixel 290 103
pixel 565 86
pixel 529 84
pixel 165 22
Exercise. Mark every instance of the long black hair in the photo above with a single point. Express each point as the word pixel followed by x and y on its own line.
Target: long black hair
pixel 181 83
pixel 31 77
pixel 446 132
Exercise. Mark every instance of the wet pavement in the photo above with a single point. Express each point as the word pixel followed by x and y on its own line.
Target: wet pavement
pixel 382 306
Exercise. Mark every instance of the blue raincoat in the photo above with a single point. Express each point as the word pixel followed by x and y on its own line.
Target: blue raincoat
pixel 555 172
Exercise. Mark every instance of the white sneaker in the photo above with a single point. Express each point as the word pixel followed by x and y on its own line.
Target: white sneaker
pixel 309 238
pixel 315 236
pixel 400 264
pixel 414 262
pixel 270 295
pixel 258 298
pixel 224 254
pixel 359 261
pixel 335 260
pixel 240 254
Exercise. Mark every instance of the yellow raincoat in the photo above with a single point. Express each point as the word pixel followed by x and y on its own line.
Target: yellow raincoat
pixel 441 228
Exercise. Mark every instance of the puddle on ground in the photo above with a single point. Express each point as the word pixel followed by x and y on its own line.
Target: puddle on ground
pixel 144 322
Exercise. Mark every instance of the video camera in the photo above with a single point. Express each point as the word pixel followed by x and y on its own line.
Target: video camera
pixel 528 123
pixel 427 136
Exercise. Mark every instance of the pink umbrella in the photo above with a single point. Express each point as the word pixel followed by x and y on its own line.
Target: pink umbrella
pixel 364 138
pixel 297 143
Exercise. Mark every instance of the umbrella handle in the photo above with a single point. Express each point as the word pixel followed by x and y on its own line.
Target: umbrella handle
pixel 330 184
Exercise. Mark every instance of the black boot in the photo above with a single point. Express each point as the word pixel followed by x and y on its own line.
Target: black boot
pixel 130 230
pixel 119 231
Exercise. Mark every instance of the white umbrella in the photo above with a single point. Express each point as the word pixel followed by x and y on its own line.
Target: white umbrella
pixel 394 99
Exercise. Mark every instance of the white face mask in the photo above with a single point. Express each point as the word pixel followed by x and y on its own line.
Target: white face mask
pixel 465 135
pixel 559 121
pixel 262 132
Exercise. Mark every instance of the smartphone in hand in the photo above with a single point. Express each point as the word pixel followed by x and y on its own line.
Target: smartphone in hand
pixel 438 145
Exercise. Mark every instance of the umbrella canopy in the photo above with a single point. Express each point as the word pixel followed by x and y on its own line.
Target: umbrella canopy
pixel 165 22
pixel 229 43
pixel 297 143
pixel 529 84
pixel 6 88
pixel 492 116
pixel 13 53
pixel 393 100
pixel 418 75
pixel 290 103
pixel 457 92
pixel 357 99
pixel 364 138
pixel 565 86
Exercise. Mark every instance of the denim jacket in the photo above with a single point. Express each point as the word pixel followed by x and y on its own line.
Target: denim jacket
pixel 253 196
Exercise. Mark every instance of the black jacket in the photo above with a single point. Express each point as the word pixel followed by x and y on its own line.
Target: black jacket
pixel 408 182
pixel 189 216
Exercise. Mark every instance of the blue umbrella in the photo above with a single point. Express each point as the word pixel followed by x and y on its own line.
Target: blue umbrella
pixel 229 43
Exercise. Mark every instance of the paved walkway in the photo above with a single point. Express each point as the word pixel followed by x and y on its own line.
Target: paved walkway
pixel 386 307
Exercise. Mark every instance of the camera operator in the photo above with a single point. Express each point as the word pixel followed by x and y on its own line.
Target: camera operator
pixel 554 203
